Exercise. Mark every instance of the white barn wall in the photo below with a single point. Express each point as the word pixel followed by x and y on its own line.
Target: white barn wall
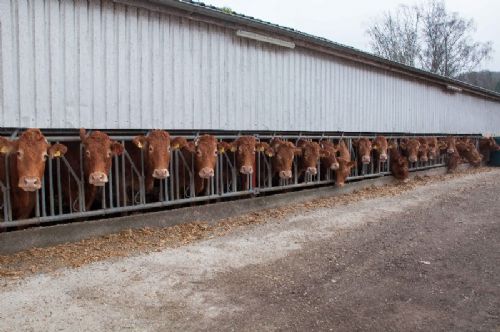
pixel 97 64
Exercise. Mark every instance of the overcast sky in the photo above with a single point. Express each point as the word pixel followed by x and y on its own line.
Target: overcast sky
pixel 345 21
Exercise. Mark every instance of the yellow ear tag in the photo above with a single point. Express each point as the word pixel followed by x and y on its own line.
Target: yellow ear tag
pixel 233 149
pixel 4 150
pixel 222 150
pixel 57 154
pixel 175 147
pixel 269 154
pixel 139 145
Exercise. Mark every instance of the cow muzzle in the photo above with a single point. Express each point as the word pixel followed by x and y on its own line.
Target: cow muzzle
pixel 246 170
pixel 206 173
pixel 334 166
pixel 285 174
pixel 312 171
pixel 365 159
pixel 450 151
pixel 161 173
pixel 383 157
pixel 30 183
pixel 98 179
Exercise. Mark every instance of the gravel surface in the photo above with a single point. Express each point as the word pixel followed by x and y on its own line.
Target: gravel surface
pixel 422 256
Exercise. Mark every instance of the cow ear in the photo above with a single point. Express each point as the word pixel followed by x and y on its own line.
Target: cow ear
pixel 7 146
pixel 178 143
pixel 297 151
pixel 117 148
pixel 140 141
pixel 269 152
pixel 222 147
pixel 355 142
pixel 83 134
pixel 323 153
pixel 261 146
pixel 233 146
pixel 57 150
pixel 350 163
pixel 375 146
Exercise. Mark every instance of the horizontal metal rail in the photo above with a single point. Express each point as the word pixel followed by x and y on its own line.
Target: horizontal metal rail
pixel 64 190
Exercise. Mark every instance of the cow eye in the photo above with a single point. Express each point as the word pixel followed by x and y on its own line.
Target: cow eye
pixel 19 154
pixel 215 153
pixel 109 154
pixel 198 153
pixel 44 157
pixel 87 153
pixel 150 148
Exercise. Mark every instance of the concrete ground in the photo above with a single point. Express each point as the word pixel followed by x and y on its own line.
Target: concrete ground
pixel 425 259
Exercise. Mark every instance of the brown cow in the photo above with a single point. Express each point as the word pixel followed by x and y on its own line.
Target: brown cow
pixel 453 161
pixel 468 151
pixel 398 163
pixel 345 164
pixel 203 150
pixel 487 146
pixel 282 153
pixel 433 146
pixel 410 148
pixel 311 154
pixel 447 144
pixel 98 151
pixel 423 151
pixel 379 146
pixel 156 147
pixel 329 158
pixel 363 148
pixel 28 155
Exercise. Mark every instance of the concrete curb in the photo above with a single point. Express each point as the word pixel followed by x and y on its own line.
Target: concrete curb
pixel 15 241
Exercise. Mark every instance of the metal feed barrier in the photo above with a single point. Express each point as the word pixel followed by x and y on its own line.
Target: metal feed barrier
pixel 125 190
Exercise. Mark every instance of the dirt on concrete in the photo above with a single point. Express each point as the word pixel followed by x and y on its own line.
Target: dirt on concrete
pixel 425 257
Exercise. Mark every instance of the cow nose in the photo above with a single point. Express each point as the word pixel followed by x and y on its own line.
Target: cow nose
pixel 365 159
pixel 30 183
pixel 383 157
pixel 206 172
pixel 312 170
pixel 451 150
pixel 334 166
pixel 412 159
pixel 161 173
pixel 285 174
pixel 98 179
pixel 246 169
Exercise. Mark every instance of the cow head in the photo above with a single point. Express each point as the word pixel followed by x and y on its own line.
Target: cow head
pixel 448 143
pixel 205 155
pixel 489 143
pixel 32 150
pixel 423 150
pixel 329 155
pixel 364 148
pixel 345 164
pixel 156 146
pixel 311 152
pixel 244 147
pixel 380 145
pixel 283 153
pixel 433 147
pixel 98 150
pixel 412 147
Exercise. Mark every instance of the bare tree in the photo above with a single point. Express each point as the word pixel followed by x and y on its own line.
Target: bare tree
pixel 428 37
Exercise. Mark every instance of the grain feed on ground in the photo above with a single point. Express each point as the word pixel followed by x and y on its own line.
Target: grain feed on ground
pixel 133 242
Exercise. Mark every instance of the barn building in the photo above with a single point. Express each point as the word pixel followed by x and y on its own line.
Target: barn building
pixel 141 64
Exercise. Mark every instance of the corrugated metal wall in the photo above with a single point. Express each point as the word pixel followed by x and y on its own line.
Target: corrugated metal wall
pixel 97 64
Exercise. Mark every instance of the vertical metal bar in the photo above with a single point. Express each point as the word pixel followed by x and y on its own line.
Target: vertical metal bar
pixel 117 181
pixel 37 204
pixel 44 208
pixel 59 186
pixel 110 183
pixel 51 188
pixel 8 187
pixel 124 179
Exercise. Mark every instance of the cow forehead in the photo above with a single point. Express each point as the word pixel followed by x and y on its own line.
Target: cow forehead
pixel 32 140
pixel 246 140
